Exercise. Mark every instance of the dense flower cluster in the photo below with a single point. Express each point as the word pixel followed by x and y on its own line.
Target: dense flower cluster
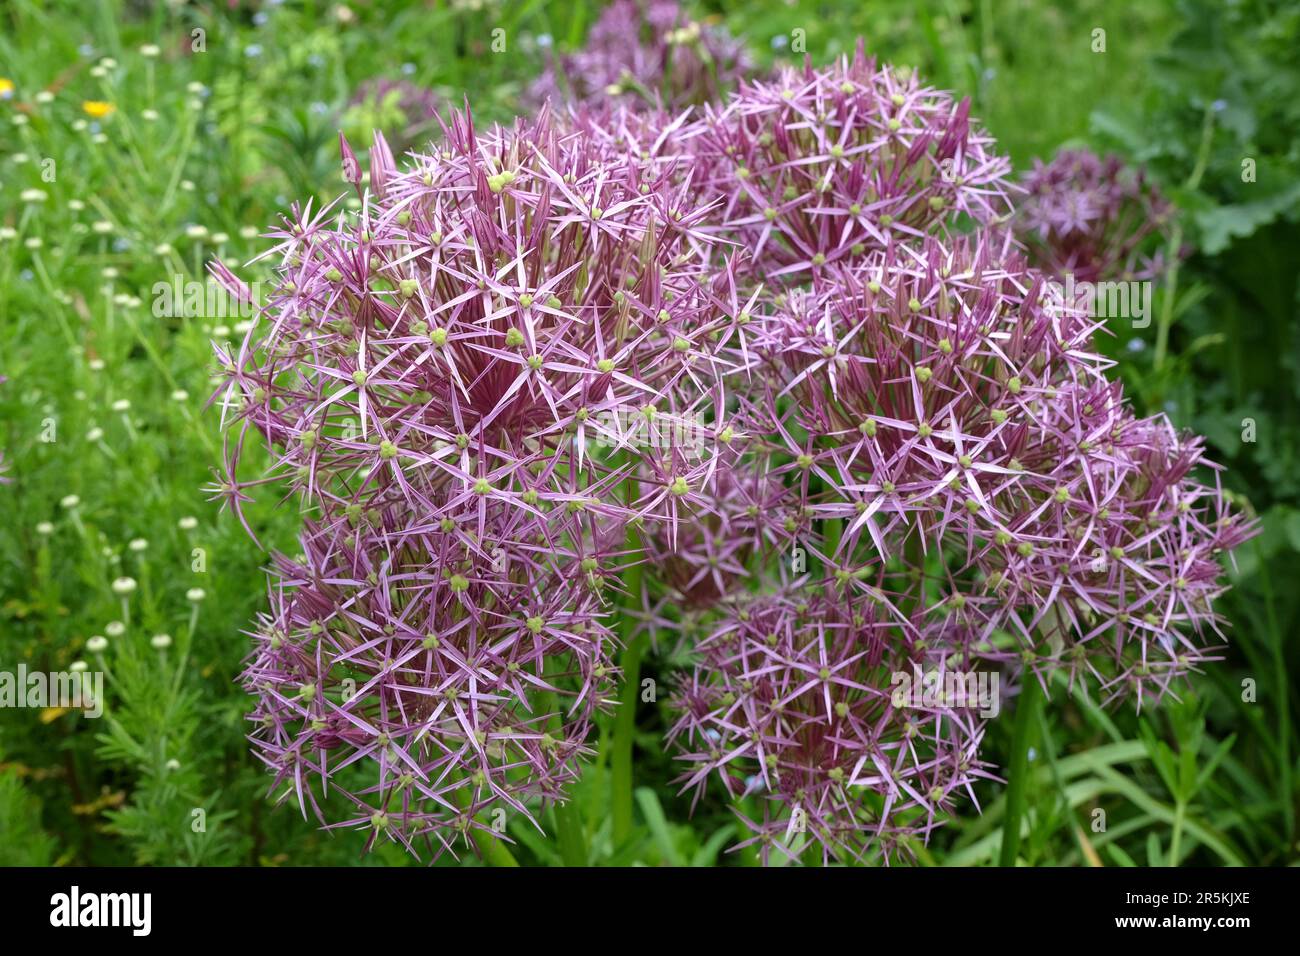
pixel 969 494
pixel 817 167
pixel 456 380
pixel 792 703
pixel 646 52
pixel 954 423
pixel 1092 218
pixel 760 351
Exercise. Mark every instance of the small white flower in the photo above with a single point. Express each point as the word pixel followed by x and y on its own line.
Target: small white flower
pixel 33 195
pixel 220 237
pixel 195 595
pixel 33 243
pixel 187 185
pixel 103 227
pixel 19 158
pixel 18 119
pixel 121 405
pixel 8 232
pixel 162 249
pixel 221 331
pixel 76 205
pixel 99 139
pixel 138 544
pixel 150 50
pixel 115 629
pixel 196 88
pixel 188 523
pixel 44 528
pixel 196 232
pixel 77 667
pixel 70 501
pixel 124 586
pixel 96 364
pixel 79 125
pixel 108 272
pixel 149 115
pixel 173 764
pixel 248 232
pixel 44 96
pixel 161 641
pixel 95 434
pixel 97 644
pixel 180 395
pixel 98 72
pixel 108 63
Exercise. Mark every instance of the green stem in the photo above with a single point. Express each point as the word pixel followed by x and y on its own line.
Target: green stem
pixel 1175 841
pixel 569 833
pixel 1176 241
pixel 620 761
pixel 1025 733
pixel 1283 694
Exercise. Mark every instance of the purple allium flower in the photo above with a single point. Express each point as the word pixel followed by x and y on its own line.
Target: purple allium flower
pixel 646 52
pixel 1093 218
pixel 958 427
pixel 455 382
pixel 816 168
pixel 792 702
pixel 733 536
pixel 973 494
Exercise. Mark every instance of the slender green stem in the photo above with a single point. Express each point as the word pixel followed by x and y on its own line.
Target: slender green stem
pixel 620 761
pixel 1283 693
pixel 569 833
pixel 1025 733
pixel 1176 241
pixel 1176 840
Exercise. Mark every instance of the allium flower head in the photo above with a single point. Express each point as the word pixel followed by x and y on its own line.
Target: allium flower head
pixel 964 492
pixel 1093 218
pixel 792 702
pixel 954 423
pixel 454 380
pixel 646 52
pixel 816 168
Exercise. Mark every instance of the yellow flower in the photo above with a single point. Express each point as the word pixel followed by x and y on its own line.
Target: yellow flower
pixel 6 88
pixel 97 108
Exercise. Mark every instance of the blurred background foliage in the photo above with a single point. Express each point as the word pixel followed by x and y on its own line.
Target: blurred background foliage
pixel 205 140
